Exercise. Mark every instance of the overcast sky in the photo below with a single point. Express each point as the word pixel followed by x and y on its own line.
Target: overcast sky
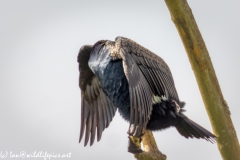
pixel 40 97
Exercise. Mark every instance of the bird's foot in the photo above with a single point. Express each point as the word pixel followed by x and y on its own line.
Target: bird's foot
pixel 134 145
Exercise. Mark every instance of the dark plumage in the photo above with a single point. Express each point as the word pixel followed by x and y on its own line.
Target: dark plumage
pixel 126 76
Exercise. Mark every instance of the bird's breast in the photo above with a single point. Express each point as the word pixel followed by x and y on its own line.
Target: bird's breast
pixel 114 83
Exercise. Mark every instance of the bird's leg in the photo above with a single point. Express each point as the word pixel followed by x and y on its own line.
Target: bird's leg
pixel 134 145
pixel 135 138
pixel 136 131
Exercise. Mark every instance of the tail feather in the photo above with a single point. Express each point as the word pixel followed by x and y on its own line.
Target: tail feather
pixel 189 128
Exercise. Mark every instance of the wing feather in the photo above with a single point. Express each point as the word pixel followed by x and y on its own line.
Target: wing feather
pixel 88 127
pixel 84 113
pixel 97 110
pixel 100 122
pixel 140 101
pixel 94 123
pixel 158 71
pixel 97 113
pixel 148 76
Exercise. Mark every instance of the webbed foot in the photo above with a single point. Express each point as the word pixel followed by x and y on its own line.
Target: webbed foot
pixel 134 145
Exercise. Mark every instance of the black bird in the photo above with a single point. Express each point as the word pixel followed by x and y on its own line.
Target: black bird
pixel 124 75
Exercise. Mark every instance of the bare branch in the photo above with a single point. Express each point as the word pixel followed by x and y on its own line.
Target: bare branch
pixel 199 58
pixel 151 151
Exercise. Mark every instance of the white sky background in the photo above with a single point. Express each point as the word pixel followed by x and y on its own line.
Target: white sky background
pixel 40 97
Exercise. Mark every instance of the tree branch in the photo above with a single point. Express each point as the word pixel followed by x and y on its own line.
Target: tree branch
pixel 199 58
pixel 151 151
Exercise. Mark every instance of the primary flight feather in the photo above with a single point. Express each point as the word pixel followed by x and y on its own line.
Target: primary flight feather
pixel 124 75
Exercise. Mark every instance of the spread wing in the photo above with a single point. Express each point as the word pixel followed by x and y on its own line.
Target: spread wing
pixel 97 110
pixel 149 78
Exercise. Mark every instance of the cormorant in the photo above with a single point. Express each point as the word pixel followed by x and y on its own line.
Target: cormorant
pixel 126 76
